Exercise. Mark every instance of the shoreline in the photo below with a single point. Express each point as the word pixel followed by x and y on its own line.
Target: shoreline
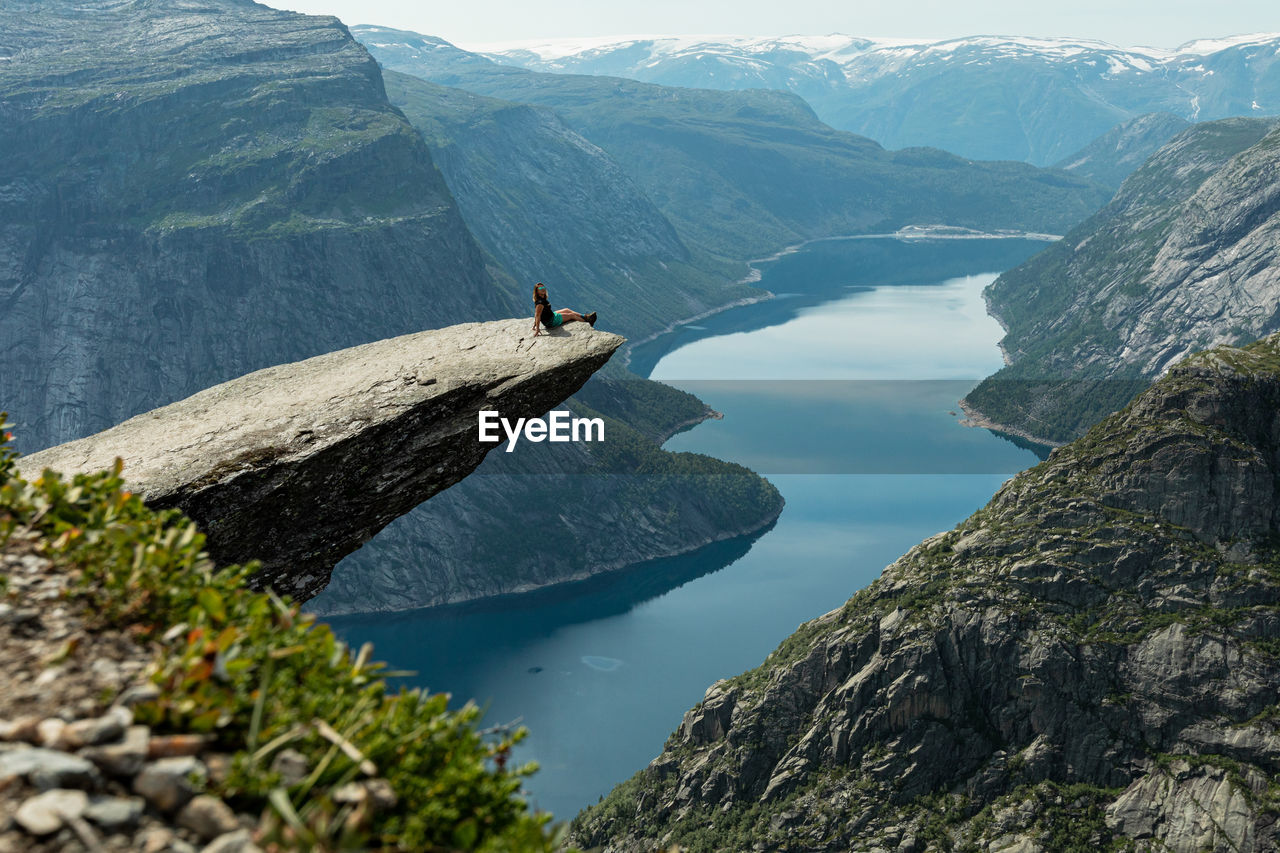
pixel 709 415
pixel 616 567
pixel 906 233
pixel 975 419
pixel 986 302
pixel 765 295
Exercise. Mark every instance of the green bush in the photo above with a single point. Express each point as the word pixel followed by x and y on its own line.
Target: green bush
pixel 260 676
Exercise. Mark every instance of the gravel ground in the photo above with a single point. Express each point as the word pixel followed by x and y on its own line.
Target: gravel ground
pixel 76 773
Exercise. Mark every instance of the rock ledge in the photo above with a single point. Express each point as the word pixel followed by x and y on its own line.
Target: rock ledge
pixel 298 465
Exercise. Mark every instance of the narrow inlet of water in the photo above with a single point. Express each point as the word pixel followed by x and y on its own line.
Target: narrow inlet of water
pixel 843 392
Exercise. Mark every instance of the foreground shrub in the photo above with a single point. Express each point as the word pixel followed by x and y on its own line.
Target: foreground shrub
pixel 252 671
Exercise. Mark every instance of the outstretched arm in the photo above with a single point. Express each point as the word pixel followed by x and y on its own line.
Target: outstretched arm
pixel 537 319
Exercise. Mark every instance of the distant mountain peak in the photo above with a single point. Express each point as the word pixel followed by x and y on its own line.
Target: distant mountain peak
pixel 1207 46
pixel 835 44
pixel 956 93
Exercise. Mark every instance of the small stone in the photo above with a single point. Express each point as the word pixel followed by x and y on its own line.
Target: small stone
pixel 159 840
pixel 48 769
pixel 291 765
pixel 219 765
pixel 239 841
pixel 50 733
pixel 94 731
pixel 105 669
pixel 208 817
pixel 46 813
pixel 170 783
pixel 23 729
pixel 66 771
pixel 352 792
pixel 107 675
pixel 125 758
pixel 172 746
pixel 115 813
pixel 154 840
pixel 378 792
pixel 49 676
pixel 22 618
pixel 122 713
pixel 13 839
pixel 381 793
pixel 138 695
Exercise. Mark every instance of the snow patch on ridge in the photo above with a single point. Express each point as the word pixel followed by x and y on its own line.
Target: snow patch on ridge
pixel 1205 47
pixel 845 50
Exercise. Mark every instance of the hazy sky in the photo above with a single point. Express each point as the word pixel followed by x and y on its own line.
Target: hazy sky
pixel 1161 23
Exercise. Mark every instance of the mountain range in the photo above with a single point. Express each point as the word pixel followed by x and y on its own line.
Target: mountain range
pixel 741 173
pixel 985 97
pixel 548 204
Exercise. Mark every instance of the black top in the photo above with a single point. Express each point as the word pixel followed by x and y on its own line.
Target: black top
pixel 548 316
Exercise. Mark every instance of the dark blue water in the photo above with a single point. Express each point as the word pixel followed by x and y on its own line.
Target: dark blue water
pixel 842 391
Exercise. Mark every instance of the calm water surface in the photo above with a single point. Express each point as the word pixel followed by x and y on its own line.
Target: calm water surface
pixel 842 391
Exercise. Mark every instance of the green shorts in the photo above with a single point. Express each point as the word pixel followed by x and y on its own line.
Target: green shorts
pixel 556 319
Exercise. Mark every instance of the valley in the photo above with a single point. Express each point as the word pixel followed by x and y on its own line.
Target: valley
pixel 865 348
pixel 262 273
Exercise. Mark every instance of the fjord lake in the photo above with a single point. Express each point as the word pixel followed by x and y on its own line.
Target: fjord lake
pixel 843 391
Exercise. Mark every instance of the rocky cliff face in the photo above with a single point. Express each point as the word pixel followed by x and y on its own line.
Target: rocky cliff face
pixel 300 464
pixel 1184 257
pixel 190 191
pixel 1087 663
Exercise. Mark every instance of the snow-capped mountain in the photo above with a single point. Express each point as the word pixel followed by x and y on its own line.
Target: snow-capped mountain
pixel 990 97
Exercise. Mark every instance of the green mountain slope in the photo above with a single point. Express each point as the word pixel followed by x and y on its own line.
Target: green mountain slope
pixel 550 206
pixel 1184 257
pixel 549 514
pixel 743 173
pixel 1114 155
pixel 1087 663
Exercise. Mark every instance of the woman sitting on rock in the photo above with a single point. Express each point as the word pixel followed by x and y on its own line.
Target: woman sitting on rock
pixel 543 314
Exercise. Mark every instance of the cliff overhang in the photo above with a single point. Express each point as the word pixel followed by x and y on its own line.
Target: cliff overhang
pixel 298 465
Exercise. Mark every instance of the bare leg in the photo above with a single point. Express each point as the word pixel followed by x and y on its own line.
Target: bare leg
pixel 571 316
